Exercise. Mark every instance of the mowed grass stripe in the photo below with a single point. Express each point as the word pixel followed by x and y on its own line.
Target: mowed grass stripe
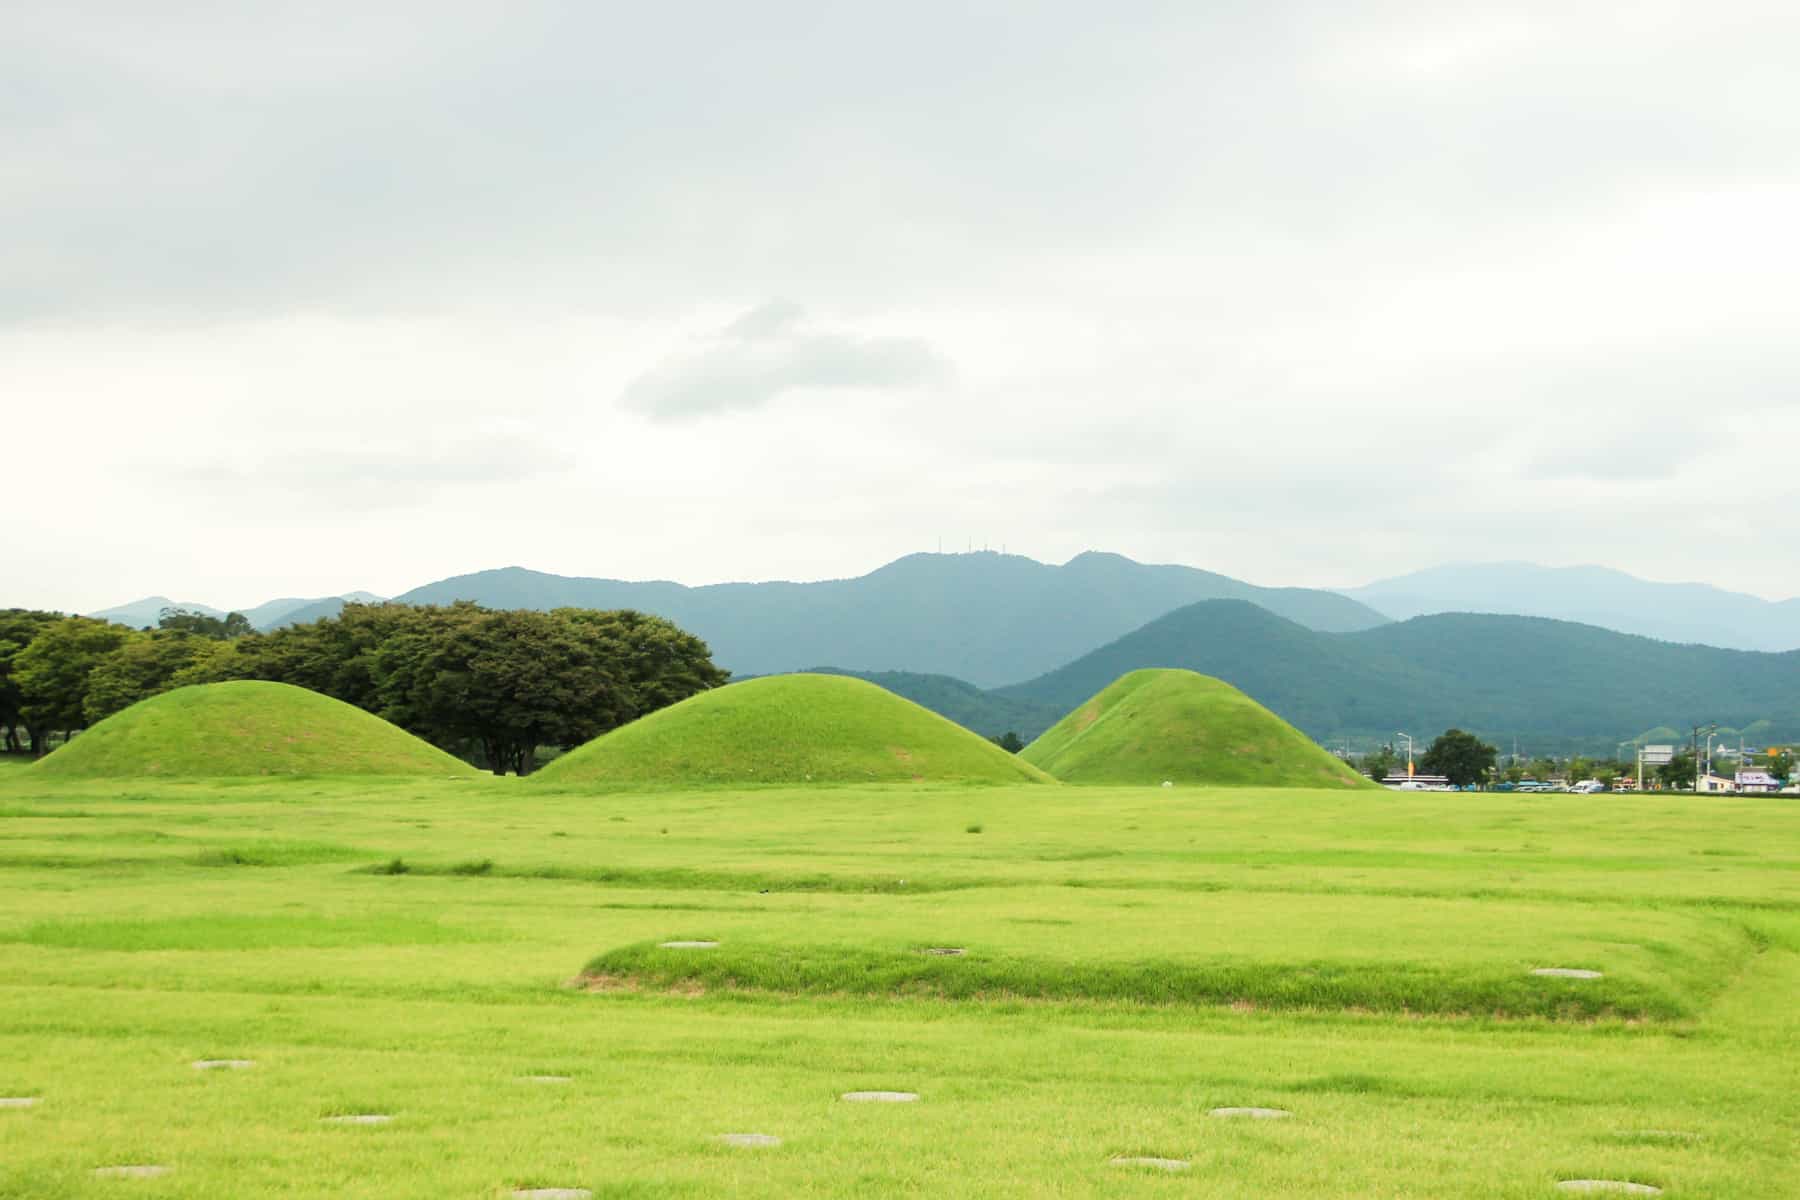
pixel 227 932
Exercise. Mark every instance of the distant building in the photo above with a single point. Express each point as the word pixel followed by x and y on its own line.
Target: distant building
pixel 1418 783
pixel 1757 781
pixel 1717 784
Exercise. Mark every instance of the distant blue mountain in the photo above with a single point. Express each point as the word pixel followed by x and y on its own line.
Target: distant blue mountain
pixel 271 614
pixel 1671 612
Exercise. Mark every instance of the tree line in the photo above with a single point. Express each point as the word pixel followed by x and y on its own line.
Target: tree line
pixel 488 685
pixel 1464 759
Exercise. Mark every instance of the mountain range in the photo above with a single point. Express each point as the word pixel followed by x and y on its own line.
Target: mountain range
pixel 983 617
pixel 1671 612
pixel 271 614
pixel 1000 642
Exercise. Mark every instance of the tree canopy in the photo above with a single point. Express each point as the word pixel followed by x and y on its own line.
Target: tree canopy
pixel 1460 757
pixel 231 625
pixel 489 685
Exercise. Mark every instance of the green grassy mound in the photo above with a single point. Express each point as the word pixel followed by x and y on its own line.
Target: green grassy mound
pixel 245 727
pixel 790 729
pixel 1155 725
pixel 1496 989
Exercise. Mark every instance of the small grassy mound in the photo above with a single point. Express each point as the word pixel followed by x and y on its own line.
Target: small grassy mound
pixel 790 729
pixel 1156 725
pixel 245 727
pixel 1497 989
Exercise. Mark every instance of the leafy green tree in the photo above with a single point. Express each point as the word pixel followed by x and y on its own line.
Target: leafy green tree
pixel 232 625
pixel 52 673
pixel 658 660
pixel 1460 757
pixel 1679 771
pixel 1009 742
pixel 1781 765
pixel 144 664
pixel 334 656
pixel 1381 763
pixel 18 626
pixel 507 682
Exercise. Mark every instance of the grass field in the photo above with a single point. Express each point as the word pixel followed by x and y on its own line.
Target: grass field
pixel 1134 958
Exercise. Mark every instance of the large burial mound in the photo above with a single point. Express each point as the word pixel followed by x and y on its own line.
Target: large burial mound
pixel 246 727
pixel 1155 725
pixel 790 729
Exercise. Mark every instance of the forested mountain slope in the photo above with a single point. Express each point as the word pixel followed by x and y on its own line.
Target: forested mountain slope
pixel 1498 675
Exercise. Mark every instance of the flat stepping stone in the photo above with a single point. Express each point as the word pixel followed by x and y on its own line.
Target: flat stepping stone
pixel 945 951
pixel 880 1097
pixel 18 1101
pixel 551 1194
pixel 223 1064
pixel 1255 1114
pixel 1160 1164
pixel 689 945
pixel 544 1079
pixel 134 1171
pixel 749 1139
pixel 358 1119
pixel 1568 973
pixel 1622 1186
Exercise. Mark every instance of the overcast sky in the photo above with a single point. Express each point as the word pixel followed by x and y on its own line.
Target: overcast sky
pixel 296 299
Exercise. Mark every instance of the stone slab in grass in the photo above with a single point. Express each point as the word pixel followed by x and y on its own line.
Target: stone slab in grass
pixel 223 1064
pixel 132 1171
pixel 1568 973
pixel 689 945
pixel 1146 1160
pixel 18 1101
pixel 880 1097
pixel 945 951
pixel 1622 1187
pixel 749 1139
pixel 1254 1114
pixel 358 1119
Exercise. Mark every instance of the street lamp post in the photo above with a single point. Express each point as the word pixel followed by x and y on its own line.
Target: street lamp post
pixel 1409 753
pixel 1698 730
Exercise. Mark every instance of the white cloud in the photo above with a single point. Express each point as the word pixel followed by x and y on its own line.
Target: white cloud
pixel 767 352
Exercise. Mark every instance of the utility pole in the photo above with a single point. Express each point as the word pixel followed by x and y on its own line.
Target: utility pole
pixel 1409 758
